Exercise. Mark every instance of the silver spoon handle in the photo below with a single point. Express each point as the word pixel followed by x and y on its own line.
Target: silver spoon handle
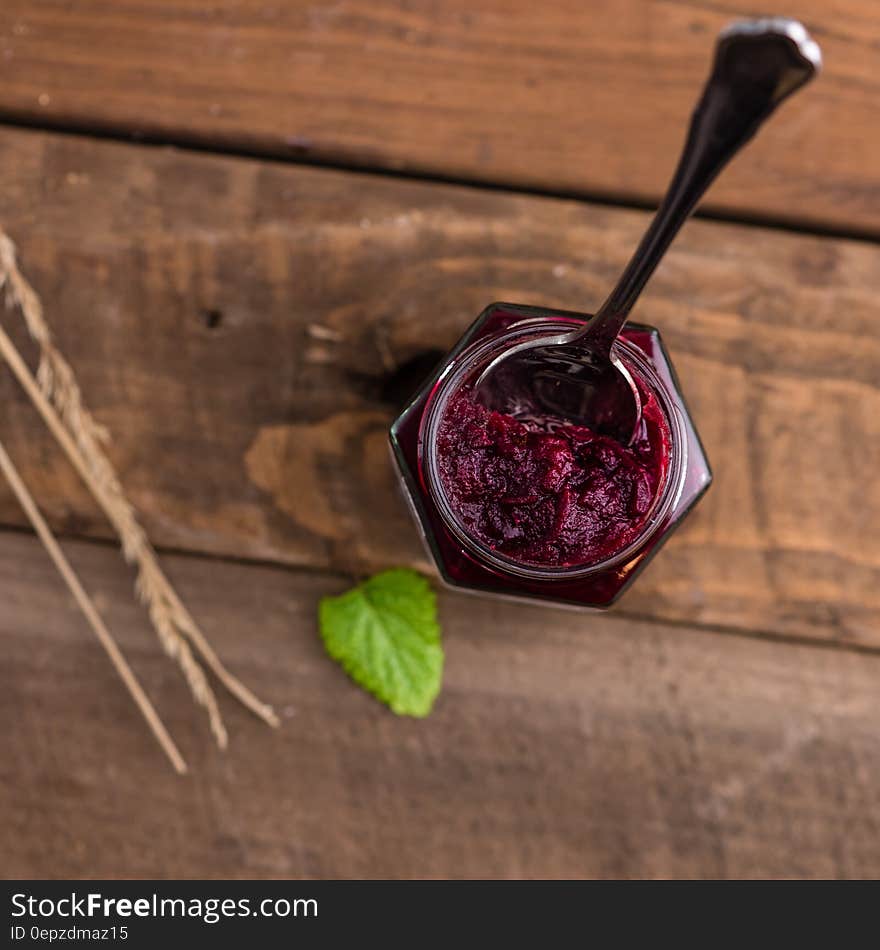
pixel 758 63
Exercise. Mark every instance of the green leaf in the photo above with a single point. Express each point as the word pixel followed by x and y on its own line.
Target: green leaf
pixel 385 634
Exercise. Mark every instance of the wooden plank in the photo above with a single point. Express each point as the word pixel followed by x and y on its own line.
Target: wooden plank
pixel 560 746
pixel 245 329
pixel 591 98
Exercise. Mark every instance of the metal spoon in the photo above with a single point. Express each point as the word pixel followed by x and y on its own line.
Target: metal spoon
pixel 575 375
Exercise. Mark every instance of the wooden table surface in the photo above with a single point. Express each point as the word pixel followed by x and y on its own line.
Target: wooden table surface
pixel 251 225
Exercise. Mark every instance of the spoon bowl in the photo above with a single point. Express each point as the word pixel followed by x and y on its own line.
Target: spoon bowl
pixel 558 377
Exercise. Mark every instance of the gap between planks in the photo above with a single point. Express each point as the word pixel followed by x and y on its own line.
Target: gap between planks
pixel 615 615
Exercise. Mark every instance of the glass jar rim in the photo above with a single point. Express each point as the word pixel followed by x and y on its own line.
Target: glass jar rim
pixel 451 380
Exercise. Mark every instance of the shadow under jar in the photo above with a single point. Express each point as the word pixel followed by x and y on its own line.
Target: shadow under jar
pixel 536 508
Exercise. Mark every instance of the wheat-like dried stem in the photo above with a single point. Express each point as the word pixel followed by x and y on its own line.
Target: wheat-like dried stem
pixel 134 543
pixel 81 438
pixel 88 608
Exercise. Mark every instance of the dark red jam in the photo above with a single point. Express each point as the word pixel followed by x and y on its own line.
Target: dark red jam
pixel 554 494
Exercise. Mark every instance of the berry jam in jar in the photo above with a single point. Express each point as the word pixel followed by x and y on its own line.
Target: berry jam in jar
pixel 537 507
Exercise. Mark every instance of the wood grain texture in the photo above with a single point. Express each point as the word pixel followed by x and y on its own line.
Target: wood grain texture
pixel 561 746
pixel 245 329
pixel 568 96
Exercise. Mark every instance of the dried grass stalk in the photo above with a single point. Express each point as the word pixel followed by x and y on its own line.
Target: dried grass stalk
pixel 87 606
pixel 57 396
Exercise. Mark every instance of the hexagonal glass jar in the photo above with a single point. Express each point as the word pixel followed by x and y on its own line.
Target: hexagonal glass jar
pixel 464 561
